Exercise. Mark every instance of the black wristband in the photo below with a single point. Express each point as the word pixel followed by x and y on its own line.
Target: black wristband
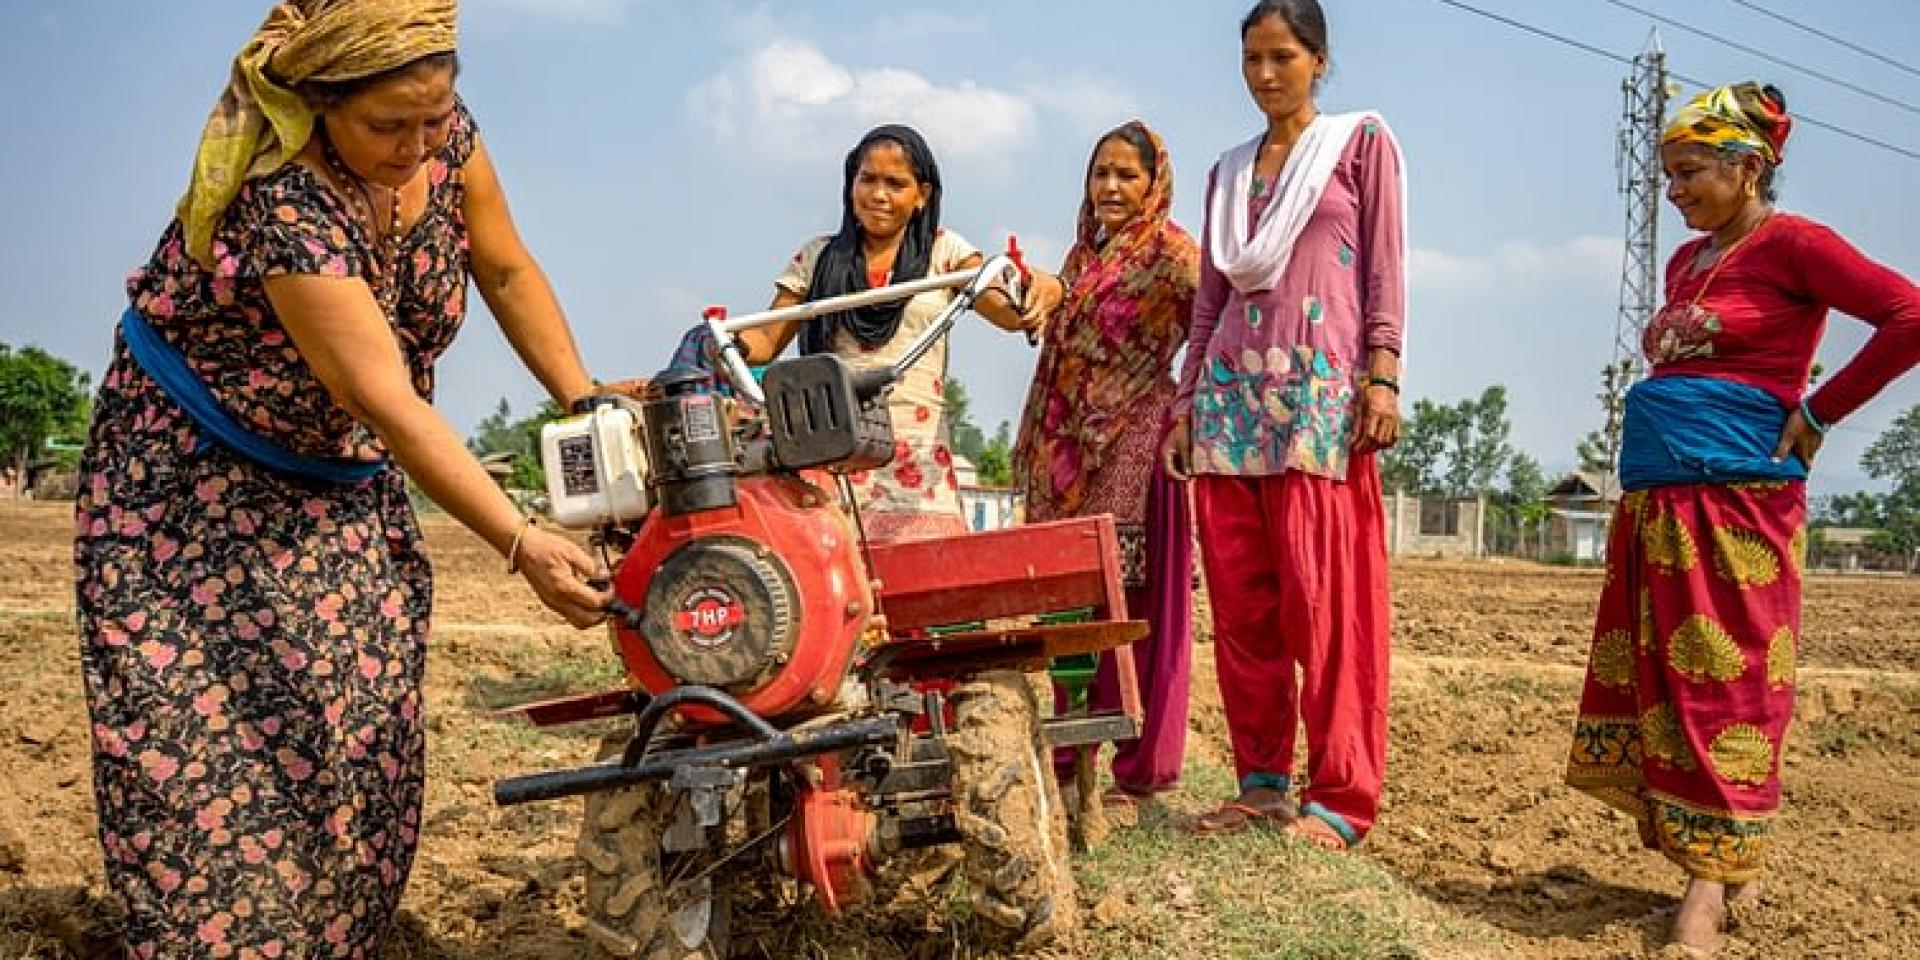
pixel 588 403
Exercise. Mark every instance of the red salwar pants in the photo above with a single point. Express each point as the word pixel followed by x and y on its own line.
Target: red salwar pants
pixel 1690 683
pixel 1297 576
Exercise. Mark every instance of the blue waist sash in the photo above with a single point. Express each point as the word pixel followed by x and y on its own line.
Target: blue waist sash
pixel 1691 430
pixel 169 369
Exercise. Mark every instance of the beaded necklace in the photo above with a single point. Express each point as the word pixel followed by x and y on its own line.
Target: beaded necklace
pixel 385 243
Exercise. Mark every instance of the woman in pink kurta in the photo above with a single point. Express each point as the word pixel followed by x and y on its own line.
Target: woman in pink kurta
pixel 1290 387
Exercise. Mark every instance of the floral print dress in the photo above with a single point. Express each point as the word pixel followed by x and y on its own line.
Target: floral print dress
pixel 253 643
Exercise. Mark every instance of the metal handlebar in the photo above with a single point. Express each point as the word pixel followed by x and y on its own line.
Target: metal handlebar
pixel 973 283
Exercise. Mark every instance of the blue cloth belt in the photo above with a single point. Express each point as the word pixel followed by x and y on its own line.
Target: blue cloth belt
pixel 169 369
pixel 1693 430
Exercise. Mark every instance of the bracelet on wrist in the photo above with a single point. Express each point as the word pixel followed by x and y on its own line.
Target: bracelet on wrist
pixel 585 402
pixel 1806 413
pixel 1391 383
pixel 513 550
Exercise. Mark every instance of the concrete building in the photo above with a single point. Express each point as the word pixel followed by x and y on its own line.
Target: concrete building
pixel 1579 511
pixel 987 507
pixel 1436 526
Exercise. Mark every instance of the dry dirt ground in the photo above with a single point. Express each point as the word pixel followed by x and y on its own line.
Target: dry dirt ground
pixel 1479 853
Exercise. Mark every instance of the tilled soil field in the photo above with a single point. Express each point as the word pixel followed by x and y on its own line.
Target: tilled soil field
pixel 1478 837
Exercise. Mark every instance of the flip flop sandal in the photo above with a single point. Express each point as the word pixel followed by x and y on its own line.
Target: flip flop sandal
pixel 1318 832
pixel 1119 798
pixel 1234 817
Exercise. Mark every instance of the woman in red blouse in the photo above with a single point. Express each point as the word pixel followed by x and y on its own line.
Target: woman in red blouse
pixel 1690 683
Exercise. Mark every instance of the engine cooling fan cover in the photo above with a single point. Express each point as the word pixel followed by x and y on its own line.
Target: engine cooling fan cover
pixel 720 612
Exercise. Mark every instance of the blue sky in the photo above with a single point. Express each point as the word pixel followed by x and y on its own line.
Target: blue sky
pixel 661 155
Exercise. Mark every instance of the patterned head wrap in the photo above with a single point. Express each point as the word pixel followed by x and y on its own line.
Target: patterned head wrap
pixel 1741 116
pixel 261 121
pixel 1110 343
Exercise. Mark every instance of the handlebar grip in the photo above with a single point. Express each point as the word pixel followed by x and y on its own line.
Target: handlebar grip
pixel 1019 258
pixel 736 366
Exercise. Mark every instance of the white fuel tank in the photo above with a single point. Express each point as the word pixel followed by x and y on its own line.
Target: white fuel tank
pixel 596 465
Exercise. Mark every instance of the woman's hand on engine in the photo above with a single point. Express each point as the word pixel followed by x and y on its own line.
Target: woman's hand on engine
pixel 633 388
pixel 559 571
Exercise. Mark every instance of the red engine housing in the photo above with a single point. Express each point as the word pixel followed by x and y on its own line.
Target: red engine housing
pixel 790 524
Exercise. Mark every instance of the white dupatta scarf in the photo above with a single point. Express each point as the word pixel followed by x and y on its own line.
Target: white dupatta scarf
pixel 1257 263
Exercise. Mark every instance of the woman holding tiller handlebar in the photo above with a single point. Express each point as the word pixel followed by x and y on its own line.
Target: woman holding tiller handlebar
pixel 890 233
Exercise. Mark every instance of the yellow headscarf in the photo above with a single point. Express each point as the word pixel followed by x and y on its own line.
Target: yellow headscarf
pixel 1742 116
pixel 260 122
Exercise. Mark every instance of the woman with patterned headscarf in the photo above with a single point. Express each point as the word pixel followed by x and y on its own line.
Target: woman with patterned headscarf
pixel 890 233
pixel 252 592
pixel 1094 417
pixel 1690 685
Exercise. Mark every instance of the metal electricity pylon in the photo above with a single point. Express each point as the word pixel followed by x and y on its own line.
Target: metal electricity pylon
pixel 1638 162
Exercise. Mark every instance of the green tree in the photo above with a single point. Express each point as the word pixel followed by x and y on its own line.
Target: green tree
pixel 1477 443
pixel 498 433
pixel 1894 457
pixel 1452 450
pixel 963 435
pixel 1414 465
pixel 996 460
pixel 1862 509
pixel 1464 450
pixel 42 398
pixel 1525 480
pixel 501 432
pixel 1599 451
pixel 1519 508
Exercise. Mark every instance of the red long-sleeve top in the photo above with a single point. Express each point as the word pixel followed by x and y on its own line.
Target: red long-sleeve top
pixel 1762 315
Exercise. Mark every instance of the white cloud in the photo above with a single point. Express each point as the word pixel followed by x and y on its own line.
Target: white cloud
pixel 1042 250
pixel 1089 104
pixel 788 97
pixel 1536 316
pixel 1515 268
pixel 787 74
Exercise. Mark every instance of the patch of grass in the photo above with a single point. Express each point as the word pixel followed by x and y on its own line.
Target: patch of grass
pixel 1524 687
pixel 1838 738
pixel 1518 686
pixel 485 735
pixel 1158 891
pixel 541 674
pixel 1201 779
pixel 39 616
pixel 1906 694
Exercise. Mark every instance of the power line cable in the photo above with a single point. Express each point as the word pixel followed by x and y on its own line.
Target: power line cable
pixel 1609 55
pixel 1830 128
pixel 1770 58
pixel 1536 31
pixel 1824 35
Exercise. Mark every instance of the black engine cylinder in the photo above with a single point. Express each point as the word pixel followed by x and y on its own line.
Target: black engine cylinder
pixel 690 445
